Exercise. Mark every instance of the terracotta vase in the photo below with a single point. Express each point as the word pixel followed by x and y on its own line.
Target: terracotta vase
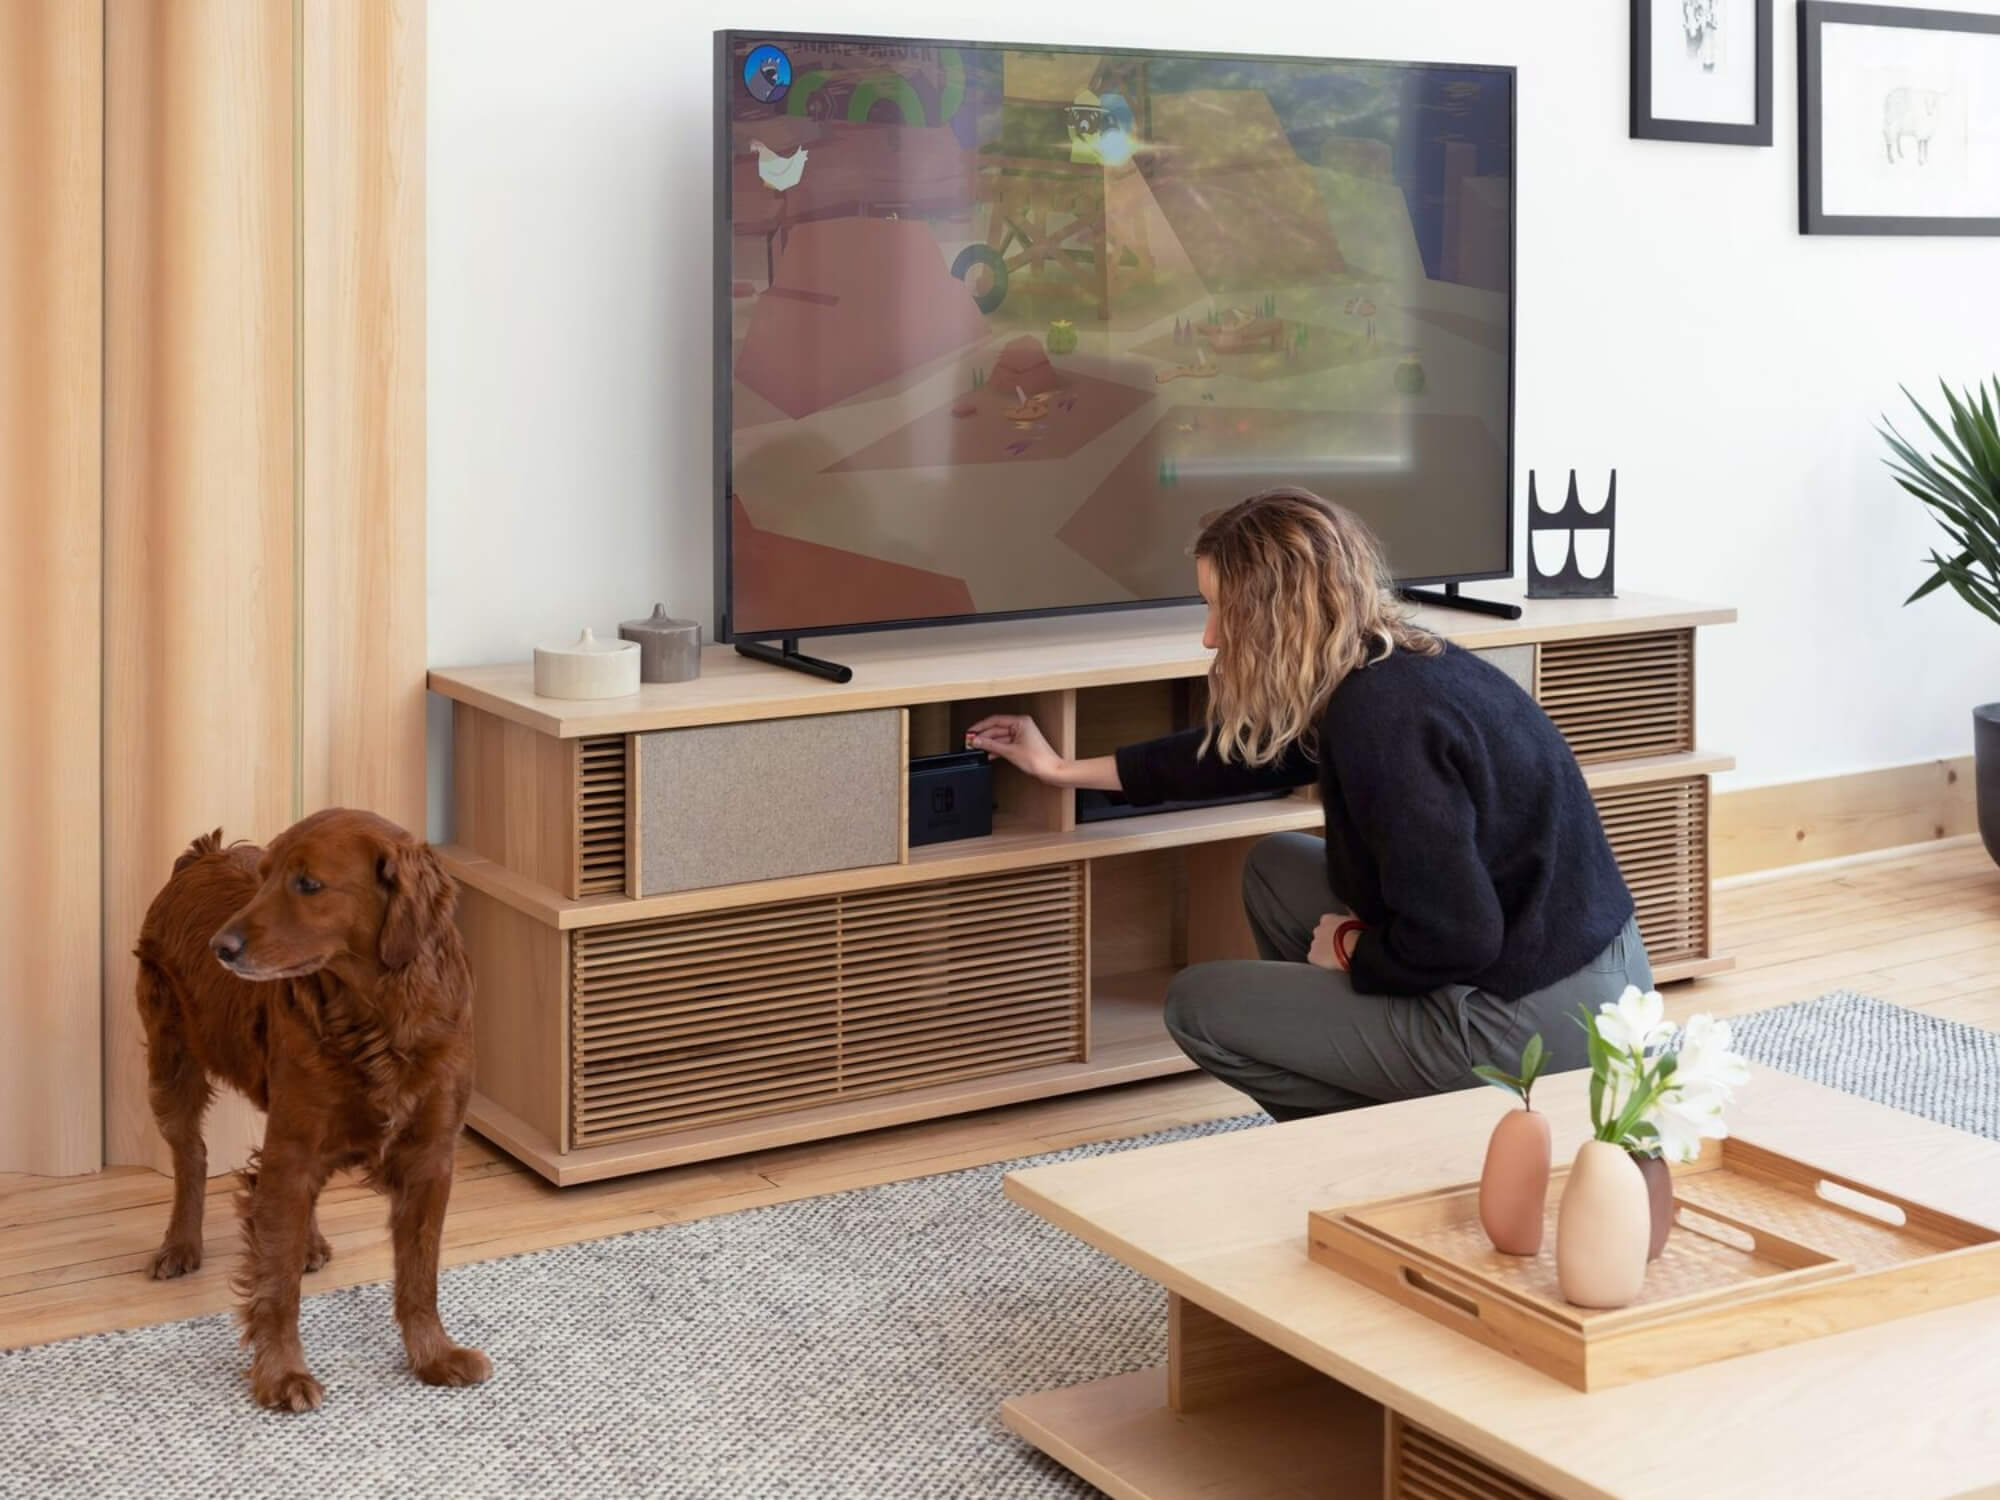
pixel 1514 1184
pixel 1660 1199
pixel 1603 1228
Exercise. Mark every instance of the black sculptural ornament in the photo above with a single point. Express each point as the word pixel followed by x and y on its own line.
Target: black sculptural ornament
pixel 1568 581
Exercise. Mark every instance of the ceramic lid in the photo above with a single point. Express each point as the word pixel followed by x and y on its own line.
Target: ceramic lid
pixel 659 619
pixel 588 644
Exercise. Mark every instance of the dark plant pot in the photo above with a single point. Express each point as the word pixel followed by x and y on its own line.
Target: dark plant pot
pixel 1660 1197
pixel 1986 761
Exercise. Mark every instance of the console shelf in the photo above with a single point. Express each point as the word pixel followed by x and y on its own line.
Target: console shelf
pixel 633 1015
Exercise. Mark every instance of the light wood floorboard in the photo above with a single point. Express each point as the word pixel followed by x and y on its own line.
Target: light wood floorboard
pixel 1922 930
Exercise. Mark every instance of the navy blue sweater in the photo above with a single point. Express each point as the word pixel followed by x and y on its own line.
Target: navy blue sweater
pixel 1458 826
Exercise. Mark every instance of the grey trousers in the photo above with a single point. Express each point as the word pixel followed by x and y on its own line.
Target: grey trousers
pixel 1300 1040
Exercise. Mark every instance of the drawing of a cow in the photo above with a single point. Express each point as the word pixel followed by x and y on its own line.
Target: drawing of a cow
pixel 1909 114
pixel 1699 19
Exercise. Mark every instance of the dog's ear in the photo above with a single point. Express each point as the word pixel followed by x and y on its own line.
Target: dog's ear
pixel 420 896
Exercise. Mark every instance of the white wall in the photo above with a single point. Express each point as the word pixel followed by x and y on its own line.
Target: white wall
pixel 1672 321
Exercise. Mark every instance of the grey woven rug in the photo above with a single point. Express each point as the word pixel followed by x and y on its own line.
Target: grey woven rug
pixel 853 1345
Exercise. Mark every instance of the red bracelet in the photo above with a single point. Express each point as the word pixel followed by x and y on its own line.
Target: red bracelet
pixel 1346 955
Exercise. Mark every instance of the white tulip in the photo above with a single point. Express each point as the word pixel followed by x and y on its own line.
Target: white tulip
pixel 1634 1022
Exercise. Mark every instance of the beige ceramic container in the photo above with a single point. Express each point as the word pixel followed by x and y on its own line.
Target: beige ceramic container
pixel 587 668
pixel 1603 1228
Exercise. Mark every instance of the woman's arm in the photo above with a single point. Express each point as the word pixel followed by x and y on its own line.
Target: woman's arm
pixel 1174 768
pixel 1167 769
pixel 1019 741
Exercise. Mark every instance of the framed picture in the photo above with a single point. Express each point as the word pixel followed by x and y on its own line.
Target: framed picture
pixel 1701 71
pixel 1899 120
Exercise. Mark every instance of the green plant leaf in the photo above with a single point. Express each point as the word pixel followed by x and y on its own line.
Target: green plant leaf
pixel 1960 464
pixel 1499 1080
pixel 1929 586
pixel 1976 439
pixel 1960 486
pixel 1532 1058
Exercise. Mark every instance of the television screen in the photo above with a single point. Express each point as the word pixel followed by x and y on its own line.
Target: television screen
pixel 996 326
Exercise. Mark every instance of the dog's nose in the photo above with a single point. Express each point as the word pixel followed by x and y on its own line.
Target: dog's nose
pixel 228 945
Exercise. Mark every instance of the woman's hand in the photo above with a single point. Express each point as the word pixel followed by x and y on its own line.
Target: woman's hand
pixel 1016 739
pixel 1333 941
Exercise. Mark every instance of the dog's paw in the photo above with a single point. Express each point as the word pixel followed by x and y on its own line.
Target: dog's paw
pixel 318 1251
pixel 287 1390
pixel 456 1366
pixel 172 1260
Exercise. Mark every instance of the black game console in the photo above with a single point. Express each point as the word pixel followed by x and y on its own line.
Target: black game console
pixel 951 797
pixel 1093 806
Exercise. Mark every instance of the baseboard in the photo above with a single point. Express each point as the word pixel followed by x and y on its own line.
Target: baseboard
pixel 1837 817
pixel 1843 862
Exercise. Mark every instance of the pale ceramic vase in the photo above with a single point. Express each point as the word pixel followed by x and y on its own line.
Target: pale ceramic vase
pixel 1514 1184
pixel 1603 1228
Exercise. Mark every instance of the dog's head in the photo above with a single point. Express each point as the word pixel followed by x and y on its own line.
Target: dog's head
pixel 340 888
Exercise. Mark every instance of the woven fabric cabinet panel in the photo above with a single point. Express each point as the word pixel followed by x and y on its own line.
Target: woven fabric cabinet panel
pixel 727 803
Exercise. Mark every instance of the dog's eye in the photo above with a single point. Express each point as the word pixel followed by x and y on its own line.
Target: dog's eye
pixel 305 885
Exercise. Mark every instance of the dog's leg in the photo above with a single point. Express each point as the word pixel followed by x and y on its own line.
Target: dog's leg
pixel 416 1223
pixel 180 1093
pixel 318 1251
pixel 276 1211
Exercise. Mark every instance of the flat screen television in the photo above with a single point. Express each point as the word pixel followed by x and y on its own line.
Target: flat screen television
pixel 997 325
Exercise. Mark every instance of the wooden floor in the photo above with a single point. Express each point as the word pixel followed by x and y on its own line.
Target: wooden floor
pixel 1922 930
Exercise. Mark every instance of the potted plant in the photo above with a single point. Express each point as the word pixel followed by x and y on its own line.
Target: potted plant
pixel 1514 1183
pixel 1961 487
pixel 1656 1093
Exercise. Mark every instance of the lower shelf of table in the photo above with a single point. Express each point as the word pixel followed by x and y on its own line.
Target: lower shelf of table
pixel 1128 1043
pixel 1315 1440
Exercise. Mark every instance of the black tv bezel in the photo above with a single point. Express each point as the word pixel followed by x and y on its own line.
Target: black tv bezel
pixel 721 313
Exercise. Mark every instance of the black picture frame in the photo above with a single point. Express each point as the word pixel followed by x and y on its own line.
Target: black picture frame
pixel 1646 126
pixel 722 457
pixel 1814 17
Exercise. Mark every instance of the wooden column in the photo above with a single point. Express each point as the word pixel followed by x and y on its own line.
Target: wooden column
pixel 264 568
pixel 362 280
pixel 201 713
pixel 51 239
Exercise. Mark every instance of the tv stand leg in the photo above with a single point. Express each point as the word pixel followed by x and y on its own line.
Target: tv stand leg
pixel 789 655
pixel 1451 598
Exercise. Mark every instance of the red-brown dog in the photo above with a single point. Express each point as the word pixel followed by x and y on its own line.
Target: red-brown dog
pixel 325 979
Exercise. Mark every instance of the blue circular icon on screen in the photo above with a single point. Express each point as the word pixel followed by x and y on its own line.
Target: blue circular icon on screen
pixel 767 73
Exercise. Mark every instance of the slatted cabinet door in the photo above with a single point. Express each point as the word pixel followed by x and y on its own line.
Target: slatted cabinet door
pixel 1659 833
pixel 1621 697
pixel 1423 1466
pixel 696 1020
pixel 601 838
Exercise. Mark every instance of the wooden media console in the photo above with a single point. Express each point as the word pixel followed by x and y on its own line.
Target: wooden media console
pixel 698 928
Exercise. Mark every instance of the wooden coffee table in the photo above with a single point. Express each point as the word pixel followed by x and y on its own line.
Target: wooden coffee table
pixel 1286 1379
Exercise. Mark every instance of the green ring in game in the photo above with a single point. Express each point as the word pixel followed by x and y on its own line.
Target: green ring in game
pixel 987 256
pixel 954 84
pixel 896 89
pixel 802 89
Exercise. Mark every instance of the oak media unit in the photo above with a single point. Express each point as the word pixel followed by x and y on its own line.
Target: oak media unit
pixel 697 927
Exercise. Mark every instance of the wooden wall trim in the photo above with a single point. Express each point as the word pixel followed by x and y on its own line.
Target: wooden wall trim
pixel 362 303
pixel 51 246
pixel 1834 817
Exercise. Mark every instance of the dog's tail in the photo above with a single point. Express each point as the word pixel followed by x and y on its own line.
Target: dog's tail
pixel 207 843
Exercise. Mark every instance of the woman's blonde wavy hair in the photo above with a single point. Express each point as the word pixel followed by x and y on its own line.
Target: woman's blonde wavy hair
pixel 1302 598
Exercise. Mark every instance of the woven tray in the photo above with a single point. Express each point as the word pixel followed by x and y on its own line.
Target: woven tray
pixel 1766 1251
